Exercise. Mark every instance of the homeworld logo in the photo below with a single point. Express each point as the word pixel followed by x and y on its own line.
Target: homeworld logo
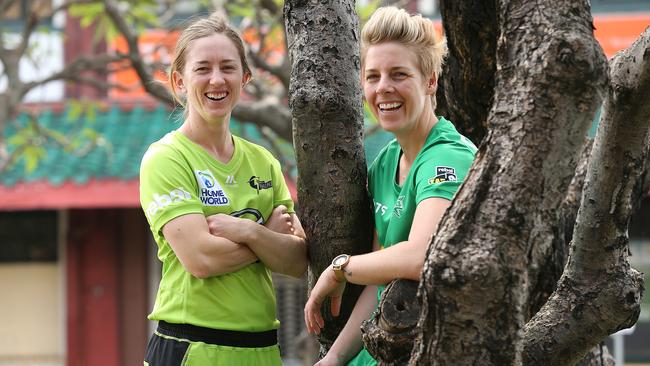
pixel 211 193
pixel 257 183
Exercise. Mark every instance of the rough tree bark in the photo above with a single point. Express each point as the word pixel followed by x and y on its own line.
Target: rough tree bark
pixel 466 96
pixel 325 100
pixel 466 87
pixel 599 293
pixel 543 247
pixel 550 77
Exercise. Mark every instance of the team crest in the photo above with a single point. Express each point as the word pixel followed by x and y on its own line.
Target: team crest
pixel 257 183
pixel 210 191
pixel 444 174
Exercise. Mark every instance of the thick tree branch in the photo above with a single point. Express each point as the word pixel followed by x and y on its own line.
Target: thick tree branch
pixel 550 78
pixel 598 356
pixel 390 334
pixel 282 71
pixel 28 29
pixel 5 5
pixel 73 71
pixel 599 293
pixel 466 87
pixel 151 85
pixel 268 112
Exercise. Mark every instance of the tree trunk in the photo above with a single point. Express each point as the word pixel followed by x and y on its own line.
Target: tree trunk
pixel 598 356
pixel 326 104
pixel 599 293
pixel 544 270
pixel 467 90
pixel 466 86
pixel 551 73
pixel 390 334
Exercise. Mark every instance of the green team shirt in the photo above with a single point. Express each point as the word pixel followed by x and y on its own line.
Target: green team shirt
pixel 178 177
pixel 438 171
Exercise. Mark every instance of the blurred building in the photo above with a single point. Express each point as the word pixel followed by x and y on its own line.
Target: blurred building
pixel 78 270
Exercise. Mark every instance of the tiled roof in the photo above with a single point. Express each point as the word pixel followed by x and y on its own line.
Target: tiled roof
pixel 128 133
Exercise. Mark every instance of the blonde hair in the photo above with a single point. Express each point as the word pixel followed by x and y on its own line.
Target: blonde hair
pixel 216 23
pixel 390 24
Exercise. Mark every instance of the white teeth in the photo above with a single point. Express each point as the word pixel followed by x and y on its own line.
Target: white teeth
pixel 216 95
pixel 389 105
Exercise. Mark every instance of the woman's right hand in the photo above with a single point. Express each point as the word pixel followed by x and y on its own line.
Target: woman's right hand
pixel 327 286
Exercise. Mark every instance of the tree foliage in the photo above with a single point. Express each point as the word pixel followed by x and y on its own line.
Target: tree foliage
pixel 260 23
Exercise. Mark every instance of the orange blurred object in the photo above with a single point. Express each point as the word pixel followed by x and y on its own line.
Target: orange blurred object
pixel 158 46
pixel 614 31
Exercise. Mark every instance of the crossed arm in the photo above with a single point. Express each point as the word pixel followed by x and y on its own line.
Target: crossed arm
pixel 221 244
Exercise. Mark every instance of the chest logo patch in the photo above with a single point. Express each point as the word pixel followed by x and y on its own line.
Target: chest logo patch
pixel 210 191
pixel 444 174
pixel 257 183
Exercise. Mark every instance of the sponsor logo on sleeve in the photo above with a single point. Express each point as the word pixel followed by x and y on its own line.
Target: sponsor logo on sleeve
pixel 160 201
pixel 444 174
pixel 258 184
pixel 211 193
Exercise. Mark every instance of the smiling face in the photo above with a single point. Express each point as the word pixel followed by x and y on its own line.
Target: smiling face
pixel 398 94
pixel 212 78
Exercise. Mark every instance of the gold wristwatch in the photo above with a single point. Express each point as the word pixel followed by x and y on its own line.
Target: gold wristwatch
pixel 338 266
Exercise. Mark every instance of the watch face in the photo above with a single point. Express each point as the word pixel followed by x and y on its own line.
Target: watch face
pixel 340 259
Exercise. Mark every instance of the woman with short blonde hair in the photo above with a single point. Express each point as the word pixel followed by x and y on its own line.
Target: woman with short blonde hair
pixel 412 181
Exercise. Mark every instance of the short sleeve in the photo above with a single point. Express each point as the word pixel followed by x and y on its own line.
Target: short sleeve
pixel 443 172
pixel 281 194
pixel 167 187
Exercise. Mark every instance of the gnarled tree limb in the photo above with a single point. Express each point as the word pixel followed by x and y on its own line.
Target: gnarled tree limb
pixel 599 292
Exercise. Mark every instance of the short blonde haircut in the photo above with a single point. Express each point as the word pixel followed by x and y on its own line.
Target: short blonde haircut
pixel 390 24
pixel 216 23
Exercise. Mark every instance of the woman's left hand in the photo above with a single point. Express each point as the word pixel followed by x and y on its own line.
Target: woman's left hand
pixel 326 286
pixel 280 221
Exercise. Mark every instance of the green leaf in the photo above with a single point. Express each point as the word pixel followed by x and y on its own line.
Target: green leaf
pixel 87 13
pixel 18 139
pixel 364 12
pixel 32 155
pixel 144 14
pixel 368 113
pixel 75 110
pixel 91 113
pixel 241 11
pixel 58 136
pixel 90 133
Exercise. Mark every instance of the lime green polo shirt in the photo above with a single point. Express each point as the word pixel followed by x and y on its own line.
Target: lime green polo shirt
pixel 178 177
